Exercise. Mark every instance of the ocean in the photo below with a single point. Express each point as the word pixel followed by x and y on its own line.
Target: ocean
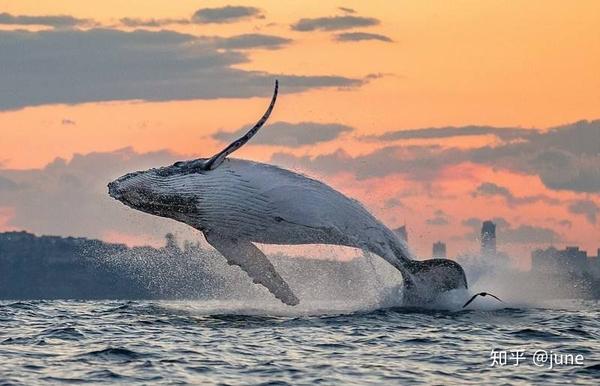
pixel 229 342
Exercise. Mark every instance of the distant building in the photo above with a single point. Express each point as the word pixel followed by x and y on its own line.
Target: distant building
pixel 488 238
pixel 594 264
pixel 552 260
pixel 402 233
pixel 439 250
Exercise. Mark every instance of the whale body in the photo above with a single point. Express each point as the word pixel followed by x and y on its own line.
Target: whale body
pixel 236 203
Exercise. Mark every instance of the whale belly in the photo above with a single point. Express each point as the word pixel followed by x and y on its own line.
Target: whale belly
pixel 305 214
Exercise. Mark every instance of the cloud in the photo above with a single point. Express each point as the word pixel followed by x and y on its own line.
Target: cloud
pixel 346 10
pixel 489 189
pixel 473 223
pixel 55 21
pixel 289 134
pixel 247 41
pixel 7 184
pixel 520 234
pixel 75 192
pixel 565 158
pixel 529 234
pixel 360 36
pixel 416 162
pixel 237 42
pixel 451 131
pixel 75 66
pixel 333 23
pixel 587 208
pixel 393 202
pixel 227 14
pixel 440 218
pixel 135 22
pixel 566 223
pixel 68 122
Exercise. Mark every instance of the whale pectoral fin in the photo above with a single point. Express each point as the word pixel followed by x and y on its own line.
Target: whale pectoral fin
pixel 250 259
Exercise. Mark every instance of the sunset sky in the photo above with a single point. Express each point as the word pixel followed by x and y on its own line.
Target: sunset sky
pixel 434 114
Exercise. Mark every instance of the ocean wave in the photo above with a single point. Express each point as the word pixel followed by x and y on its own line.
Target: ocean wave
pixel 142 342
pixel 114 353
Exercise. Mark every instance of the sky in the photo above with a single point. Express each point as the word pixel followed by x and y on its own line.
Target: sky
pixel 436 115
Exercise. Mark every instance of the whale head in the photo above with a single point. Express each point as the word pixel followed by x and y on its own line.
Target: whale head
pixel 166 191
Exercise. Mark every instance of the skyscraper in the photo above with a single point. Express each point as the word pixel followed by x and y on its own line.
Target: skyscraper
pixel 439 250
pixel 488 239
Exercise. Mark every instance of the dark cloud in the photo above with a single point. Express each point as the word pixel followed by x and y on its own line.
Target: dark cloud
pixel 508 234
pixel 346 9
pixel 289 134
pixel 7 184
pixel 75 192
pixel 75 66
pixel 227 14
pixel 333 23
pixel 489 189
pixel 247 41
pixel 393 202
pixel 587 208
pixel 237 42
pixel 135 22
pixel 360 36
pixel 417 162
pixel 440 218
pixel 565 158
pixel 451 131
pixel 55 21
pixel 472 222
pixel 566 223
pixel 529 234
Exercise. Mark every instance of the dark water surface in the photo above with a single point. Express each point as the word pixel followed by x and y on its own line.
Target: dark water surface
pixel 149 342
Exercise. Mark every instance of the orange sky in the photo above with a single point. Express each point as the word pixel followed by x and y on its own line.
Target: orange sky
pixel 530 64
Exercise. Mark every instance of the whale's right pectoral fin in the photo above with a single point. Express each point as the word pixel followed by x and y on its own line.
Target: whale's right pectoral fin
pixel 250 259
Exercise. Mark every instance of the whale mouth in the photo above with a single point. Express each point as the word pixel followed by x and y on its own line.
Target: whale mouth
pixel 119 188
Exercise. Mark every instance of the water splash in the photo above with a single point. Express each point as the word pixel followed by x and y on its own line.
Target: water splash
pixel 204 284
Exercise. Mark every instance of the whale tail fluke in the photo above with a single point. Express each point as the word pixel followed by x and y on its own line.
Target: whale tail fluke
pixel 427 279
pixel 424 280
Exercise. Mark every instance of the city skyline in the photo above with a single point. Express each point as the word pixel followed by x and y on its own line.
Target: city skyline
pixel 549 254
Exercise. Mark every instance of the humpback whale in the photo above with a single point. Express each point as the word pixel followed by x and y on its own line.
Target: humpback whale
pixel 236 203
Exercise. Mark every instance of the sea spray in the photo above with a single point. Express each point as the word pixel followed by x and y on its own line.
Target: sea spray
pixel 365 282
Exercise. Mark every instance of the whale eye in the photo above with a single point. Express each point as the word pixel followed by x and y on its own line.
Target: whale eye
pixel 179 163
